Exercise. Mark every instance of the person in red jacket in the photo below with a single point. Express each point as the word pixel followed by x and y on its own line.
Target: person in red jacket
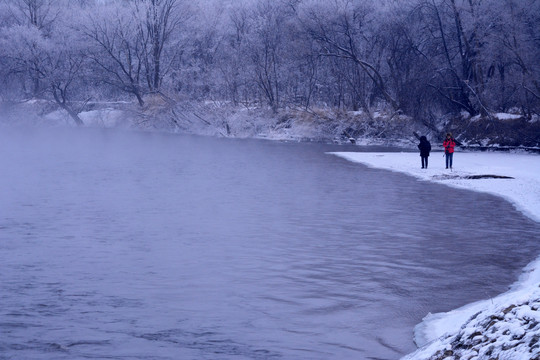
pixel 449 145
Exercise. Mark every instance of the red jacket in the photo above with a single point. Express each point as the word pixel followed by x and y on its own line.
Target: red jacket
pixel 449 145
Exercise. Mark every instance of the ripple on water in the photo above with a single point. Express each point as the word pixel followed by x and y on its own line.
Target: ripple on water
pixel 162 247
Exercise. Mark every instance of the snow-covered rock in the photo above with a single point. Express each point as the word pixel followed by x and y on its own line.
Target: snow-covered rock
pixel 507 332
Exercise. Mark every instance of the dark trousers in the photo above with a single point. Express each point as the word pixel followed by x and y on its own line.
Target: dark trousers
pixel 424 161
pixel 449 158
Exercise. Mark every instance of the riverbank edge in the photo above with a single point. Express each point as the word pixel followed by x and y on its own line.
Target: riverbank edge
pixel 471 331
pixel 377 126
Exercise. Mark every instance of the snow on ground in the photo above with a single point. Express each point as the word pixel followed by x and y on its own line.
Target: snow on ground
pixel 505 327
pixel 103 118
pixel 505 116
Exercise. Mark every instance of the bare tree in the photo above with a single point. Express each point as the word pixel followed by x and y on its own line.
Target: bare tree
pixel 38 13
pixel 117 51
pixel 135 44
pixel 65 63
pixel 345 30
pixel 157 21
pixel 418 56
pixel 265 49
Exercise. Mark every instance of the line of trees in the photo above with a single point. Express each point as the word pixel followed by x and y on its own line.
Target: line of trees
pixel 419 57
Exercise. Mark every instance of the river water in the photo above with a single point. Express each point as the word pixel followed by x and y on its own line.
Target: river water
pixel 148 246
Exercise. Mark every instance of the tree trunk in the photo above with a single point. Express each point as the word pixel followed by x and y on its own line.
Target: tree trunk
pixel 61 100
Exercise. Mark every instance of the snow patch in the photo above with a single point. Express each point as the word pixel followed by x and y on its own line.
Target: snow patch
pixel 103 118
pixel 505 116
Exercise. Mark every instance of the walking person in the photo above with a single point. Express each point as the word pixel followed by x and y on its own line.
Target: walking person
pixel 449 145
pixel 425 148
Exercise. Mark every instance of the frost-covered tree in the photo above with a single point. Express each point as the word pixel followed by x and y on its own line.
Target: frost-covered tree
pixel 116 49
pixel 23 49
pixel 265 50
pixel 133 44
pixel 40 14
pixel 513 76
pixel 33 19
pixel 474 48
pixel 201 73
pixel 157 23
pixel 420 56
pixel 348 30
pixel 55 61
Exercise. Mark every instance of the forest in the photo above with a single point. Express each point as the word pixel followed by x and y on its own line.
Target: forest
pixel 424 59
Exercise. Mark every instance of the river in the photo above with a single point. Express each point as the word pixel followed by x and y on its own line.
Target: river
pixel 126 245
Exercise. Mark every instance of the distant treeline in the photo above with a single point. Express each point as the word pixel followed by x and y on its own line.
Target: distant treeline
pixel 420 57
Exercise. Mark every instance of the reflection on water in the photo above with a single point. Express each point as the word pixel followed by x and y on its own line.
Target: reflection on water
pixel 145 246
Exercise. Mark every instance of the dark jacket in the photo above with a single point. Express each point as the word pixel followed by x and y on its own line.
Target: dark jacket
pixel 424 146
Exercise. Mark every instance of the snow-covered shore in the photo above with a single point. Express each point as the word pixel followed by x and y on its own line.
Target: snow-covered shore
pixel 505 327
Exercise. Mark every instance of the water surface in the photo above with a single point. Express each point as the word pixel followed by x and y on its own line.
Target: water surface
pixel 147 246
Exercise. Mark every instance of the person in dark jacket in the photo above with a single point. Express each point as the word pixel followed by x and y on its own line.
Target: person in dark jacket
pixel 425 148
pixel 449 144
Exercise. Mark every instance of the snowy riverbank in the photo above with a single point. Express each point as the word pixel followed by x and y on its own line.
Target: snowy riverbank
pixel 507 326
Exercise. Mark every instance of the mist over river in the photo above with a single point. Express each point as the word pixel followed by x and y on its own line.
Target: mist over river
pixel 128 245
